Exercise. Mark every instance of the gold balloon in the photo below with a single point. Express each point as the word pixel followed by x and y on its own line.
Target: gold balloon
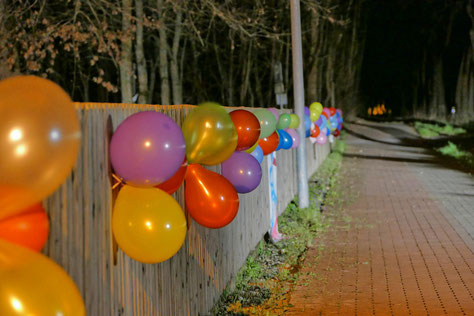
pixel 148 224
pixel 209 134
pixel 315 110
pixel 32 284
pixel 39 141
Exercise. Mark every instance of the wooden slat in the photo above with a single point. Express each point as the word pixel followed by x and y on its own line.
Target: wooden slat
pixel 81 238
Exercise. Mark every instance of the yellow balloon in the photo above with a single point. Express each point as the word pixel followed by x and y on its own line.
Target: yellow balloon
pixel 315 110
pixel 39 141
pixel 148 224
pixel 251 149
pixel 209 134
pixel 32 284
pixel 295 121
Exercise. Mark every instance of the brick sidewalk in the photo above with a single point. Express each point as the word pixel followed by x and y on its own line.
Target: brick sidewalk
pixel 404 246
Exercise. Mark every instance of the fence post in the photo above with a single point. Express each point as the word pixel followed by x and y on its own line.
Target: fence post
pixel 298 88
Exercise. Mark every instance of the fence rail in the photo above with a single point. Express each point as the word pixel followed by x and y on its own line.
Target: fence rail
pixel 110 282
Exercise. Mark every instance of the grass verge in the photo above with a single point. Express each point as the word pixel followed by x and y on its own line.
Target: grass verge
pixel 450 149
pixel 427 130
pixel 263 283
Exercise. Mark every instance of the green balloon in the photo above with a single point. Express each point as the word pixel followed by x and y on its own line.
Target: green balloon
pixel 284 121
pixel 267 122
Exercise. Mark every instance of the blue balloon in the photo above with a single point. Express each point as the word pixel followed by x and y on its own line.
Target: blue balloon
pixel 308 133
pixel 287 141
pixel 327 131
pixel 257 153
pixel 280 140
pixel 307 123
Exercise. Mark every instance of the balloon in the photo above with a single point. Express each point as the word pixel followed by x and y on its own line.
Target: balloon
pixel 267 122
pixel 315 132
pixel 295 121
pixel 243 171
pixel 287 141
pixel 269 144
pixel 29 229
pixel 313 140
pixel 39 141
pixel 321 139
pixel 284 121
pixel 280 140
pixel 147 149
pixel 307 125
pixel 251 149
pixel 258 154
pixel 247 127
pixel 148 224
pixel 294 136
pixel 332 111
pixel 327 131
pixel 209 134
pixel 337 133
pixel 327 112
pixel 274 112
pixel 172 185
pixel 315 110
pixel 306 111
pixel 333 123
pixel 319 121
pixel 210 198
pixel 33 284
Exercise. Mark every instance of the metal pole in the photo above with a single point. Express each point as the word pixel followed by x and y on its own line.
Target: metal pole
pixel 298 87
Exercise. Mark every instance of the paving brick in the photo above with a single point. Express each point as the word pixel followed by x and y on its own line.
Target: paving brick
pixel 413 254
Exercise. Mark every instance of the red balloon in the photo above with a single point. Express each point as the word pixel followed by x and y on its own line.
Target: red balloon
pixel 247 126
pixel 211 199
pixel 269 144
pixel 337 133
pixel 325 115
pixel 29 229
pixel 315 132
pixel 332 111
pixel 172 185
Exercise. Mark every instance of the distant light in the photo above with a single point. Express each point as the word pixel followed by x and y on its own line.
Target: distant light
pixel 208 125
pixel 168 226
pixel 16 134
pixel 147 143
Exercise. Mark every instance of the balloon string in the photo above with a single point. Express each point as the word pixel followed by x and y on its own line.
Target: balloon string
pixel 119 181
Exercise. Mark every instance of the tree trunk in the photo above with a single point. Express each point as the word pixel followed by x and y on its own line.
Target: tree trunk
pixel 140 55
pixel 312 83
pixel 126 73
pixel 163 48
pixel 175 74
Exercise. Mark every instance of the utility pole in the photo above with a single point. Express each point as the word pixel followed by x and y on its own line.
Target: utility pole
pixel 298 88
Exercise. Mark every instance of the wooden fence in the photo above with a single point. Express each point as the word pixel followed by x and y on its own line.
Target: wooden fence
pixel 111 283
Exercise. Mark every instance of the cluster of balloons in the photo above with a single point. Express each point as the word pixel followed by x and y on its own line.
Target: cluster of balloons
pixel 322 122
pixel 39 142
pixel 154 157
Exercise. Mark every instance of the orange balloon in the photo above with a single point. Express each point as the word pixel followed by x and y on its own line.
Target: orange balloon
pixel 315 132
pixel 248 128
pixel 172 185
pixel 269 144
pixel 39 141
pixel 28 229
pixel 325 115
pixel 332 111
pixel 210 198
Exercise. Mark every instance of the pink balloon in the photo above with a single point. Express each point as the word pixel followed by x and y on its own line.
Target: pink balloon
pixel 295 136
pixel 326 110
pixel 321 139
pixel 275 113
pixel 147 149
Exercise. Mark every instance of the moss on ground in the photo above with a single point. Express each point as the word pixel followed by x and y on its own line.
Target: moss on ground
pixel 451 150
pixel 427 130
pixel 262 285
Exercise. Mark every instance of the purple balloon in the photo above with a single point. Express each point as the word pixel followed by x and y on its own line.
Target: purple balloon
pixel 147 149
pixel 319 122
pixel 306 111
pixel 275 113
pixel 295 136
pixel 243 171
